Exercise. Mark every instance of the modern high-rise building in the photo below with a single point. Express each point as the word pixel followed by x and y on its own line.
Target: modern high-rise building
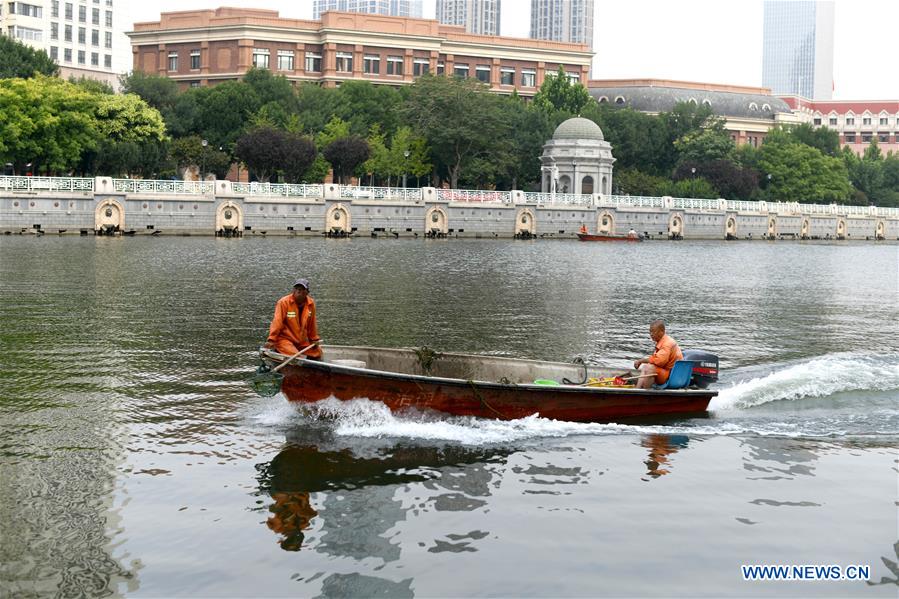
pixel 393 8
pixel 84 39
pixel 563 21
pixel 797 52
pixel 477 16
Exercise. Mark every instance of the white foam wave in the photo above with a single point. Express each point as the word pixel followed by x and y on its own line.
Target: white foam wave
pixel 819 377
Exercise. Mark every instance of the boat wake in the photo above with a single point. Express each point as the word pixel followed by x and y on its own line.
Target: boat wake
pixel 821 377
pixel 841 395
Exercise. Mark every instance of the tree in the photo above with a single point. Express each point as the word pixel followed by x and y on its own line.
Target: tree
pixel 460 120
pixel 822 138
pixel 128 118
pixel 20 61
pixel 190 152
pixel 639 141
pixel 731 181
pixel 46 122
pixel 801 173
pixel 378 162
pixel 688 188
pixel 705 145
pixel 345 154
pixel 261 149
pixel 558 93
pixel 362 105
pixel 298 154
pixel 224 111
pixel 159 92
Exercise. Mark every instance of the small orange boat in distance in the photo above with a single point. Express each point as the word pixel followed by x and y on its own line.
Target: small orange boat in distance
pixel 487 386
pixel 597 237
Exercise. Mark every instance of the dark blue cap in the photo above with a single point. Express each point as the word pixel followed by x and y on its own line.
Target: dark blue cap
pixel 304 283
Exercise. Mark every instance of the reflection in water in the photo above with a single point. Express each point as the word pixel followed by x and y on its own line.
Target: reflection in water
pixel 660 448
pixel 790 458
pixel 353 518
pixel 893 566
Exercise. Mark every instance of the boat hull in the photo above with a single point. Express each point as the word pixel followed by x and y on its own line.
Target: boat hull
pixel 311 381
pixel 591 237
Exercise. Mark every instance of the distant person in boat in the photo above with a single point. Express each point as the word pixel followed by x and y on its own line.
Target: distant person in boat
pixel 662 361
pixel 584 229
pixel 293 327
pixel 632 234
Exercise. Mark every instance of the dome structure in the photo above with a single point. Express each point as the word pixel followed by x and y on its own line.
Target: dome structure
pixel 577 160
pixel 578 128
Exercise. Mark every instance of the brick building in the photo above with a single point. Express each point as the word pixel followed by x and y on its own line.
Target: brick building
pixel 858 122
pixel 204 47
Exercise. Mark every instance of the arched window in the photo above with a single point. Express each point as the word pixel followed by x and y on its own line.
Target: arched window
pixel 693 101
pixel 619 100
pixel 766 107
pixel 603 100
pixel 753 106
pixel 707 103
pixel 587 185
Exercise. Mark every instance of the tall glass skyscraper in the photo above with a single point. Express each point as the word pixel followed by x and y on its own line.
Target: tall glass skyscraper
pixel 477 16
pixel 797 52
pixel 393 8
pixel 563 21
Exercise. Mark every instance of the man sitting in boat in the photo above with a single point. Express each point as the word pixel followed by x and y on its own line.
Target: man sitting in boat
pixel 293 327
pixel 657 367
pixel 632 234
pixel 583 229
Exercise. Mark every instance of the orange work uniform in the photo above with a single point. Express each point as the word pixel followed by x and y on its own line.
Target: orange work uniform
pixel 293 327
pixel 667 353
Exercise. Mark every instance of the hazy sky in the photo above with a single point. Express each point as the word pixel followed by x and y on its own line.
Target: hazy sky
pixel 711 41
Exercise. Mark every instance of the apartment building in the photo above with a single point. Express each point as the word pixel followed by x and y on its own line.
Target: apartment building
pixel 84 37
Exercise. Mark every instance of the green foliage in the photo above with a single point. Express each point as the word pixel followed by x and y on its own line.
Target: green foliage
pixel 801 173
pixel 128 118
pixel 688 188
pixel 705 145
pixel 20 61
pixel 822 138
pixel 335 129
pixel 46 122
pixel 92 85
pixel 346 154
pixel 557 93
pixel 362 104
pixel 378 162
pixel 417 163
pixel 875 178
pixel 639 141
pixel 636 183
pixel 461 121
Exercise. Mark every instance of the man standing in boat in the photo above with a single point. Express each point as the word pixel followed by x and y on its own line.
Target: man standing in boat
pixel 657 367
pixel 293 327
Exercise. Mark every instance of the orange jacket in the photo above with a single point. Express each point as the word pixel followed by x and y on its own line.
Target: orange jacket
pixel 667 353
pixel 294 325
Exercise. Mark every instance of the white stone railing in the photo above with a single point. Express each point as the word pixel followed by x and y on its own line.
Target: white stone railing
pixel 297 190
pixel 404 194
pixel 571 199
pixel 474 195
pixel 409 194
pixel 695 204
pixel 633 201
pixel 163 186
pixel 46 183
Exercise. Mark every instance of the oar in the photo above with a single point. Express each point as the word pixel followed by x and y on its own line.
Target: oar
pixel 296 355
pixel 267 381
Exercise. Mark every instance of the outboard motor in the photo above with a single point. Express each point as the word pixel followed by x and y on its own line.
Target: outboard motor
pixel 705 367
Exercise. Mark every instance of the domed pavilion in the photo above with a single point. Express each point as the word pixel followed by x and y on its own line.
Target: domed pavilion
pixel 577 159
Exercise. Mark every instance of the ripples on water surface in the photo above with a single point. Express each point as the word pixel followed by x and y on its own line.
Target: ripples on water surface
pixel 135 460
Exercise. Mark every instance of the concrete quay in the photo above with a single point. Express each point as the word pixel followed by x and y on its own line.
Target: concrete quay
pixel 106 206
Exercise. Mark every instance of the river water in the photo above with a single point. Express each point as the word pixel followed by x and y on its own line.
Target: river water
pixel 136 460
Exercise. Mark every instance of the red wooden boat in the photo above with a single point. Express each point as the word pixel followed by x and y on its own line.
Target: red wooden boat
pixel 592 237
pixel 480 386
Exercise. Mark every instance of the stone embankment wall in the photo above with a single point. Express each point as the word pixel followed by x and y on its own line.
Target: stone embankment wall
pixel 105 206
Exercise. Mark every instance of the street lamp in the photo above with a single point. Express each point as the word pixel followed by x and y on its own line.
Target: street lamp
pixel 405 160
pixel 203 160
pixel 693 181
